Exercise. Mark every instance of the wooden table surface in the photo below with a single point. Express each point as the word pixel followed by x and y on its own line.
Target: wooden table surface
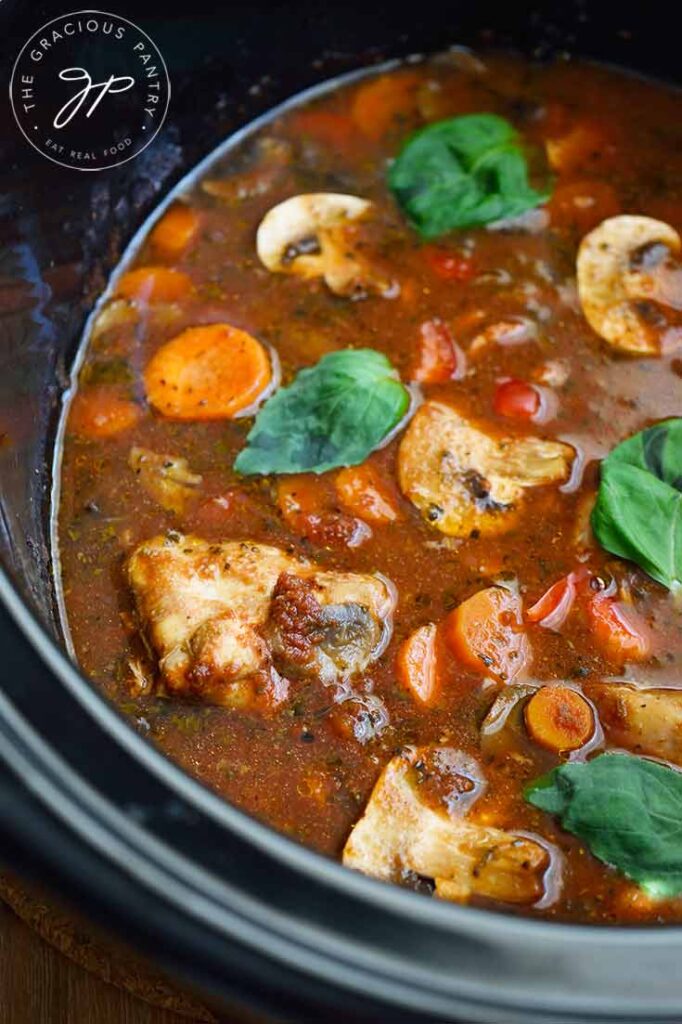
pixel 56 969
pixel 39 985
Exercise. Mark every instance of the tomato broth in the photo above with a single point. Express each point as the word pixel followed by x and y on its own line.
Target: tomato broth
pixel 489 329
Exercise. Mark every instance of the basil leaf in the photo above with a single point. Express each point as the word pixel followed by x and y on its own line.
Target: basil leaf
pixel 658 450
pixel 638 513
pixel 460 173
pixel 333 414
pixel 626 809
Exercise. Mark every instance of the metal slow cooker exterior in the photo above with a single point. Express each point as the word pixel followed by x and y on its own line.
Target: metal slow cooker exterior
pixel 251 918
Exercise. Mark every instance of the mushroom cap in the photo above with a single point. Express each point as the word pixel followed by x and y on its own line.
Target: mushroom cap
pixel 463 479
pixel 609 286
pixel 299 219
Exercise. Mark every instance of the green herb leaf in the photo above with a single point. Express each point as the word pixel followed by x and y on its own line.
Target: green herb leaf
pixel 334 414
pixel 627 810
pixel 462 172
pixel 638 514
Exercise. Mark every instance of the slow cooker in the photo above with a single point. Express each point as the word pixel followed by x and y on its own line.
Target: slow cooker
pixel 251 919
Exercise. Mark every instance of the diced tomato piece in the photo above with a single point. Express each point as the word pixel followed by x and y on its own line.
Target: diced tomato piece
pixel 618 629
pixel 486 634
pixel 439 357
pixel 334 530
pixel 554 607
pixel 449 266
pixel 517 400
pixel 417 664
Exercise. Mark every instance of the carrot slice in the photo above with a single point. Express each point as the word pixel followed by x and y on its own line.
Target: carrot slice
pixel 559 719
pixel 486 634
pixel 363 492
pixel 331 129
pixel 381 102
pixel 308 506
pixel 417 669
pixel 207 373
pixel 101 412
pixel 155 284
pixel 303 494
pixel 618 630
pixel 176 230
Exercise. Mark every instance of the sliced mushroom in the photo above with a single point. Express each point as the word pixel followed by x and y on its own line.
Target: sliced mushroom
pixel 625 283
pixel 308 235
pixel 502 730
pixel 462 479
pixel 328 627
pixel 117 314
pixel 400 832
pixel 166 478
pixel 643 721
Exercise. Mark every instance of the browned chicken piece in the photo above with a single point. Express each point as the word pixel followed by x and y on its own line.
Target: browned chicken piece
pixel 462 479
pixel 208 613
pixel 401 832
pixel 166 478
pixel 643 721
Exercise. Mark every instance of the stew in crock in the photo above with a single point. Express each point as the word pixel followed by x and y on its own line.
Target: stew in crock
pixel 371 493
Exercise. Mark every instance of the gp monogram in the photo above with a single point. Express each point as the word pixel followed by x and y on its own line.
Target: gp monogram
pixel 89 90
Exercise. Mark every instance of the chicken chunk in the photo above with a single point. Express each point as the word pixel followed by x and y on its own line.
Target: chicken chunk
pixel 209 614
pixel 401 832
pixel 462 479
pixel 643 721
